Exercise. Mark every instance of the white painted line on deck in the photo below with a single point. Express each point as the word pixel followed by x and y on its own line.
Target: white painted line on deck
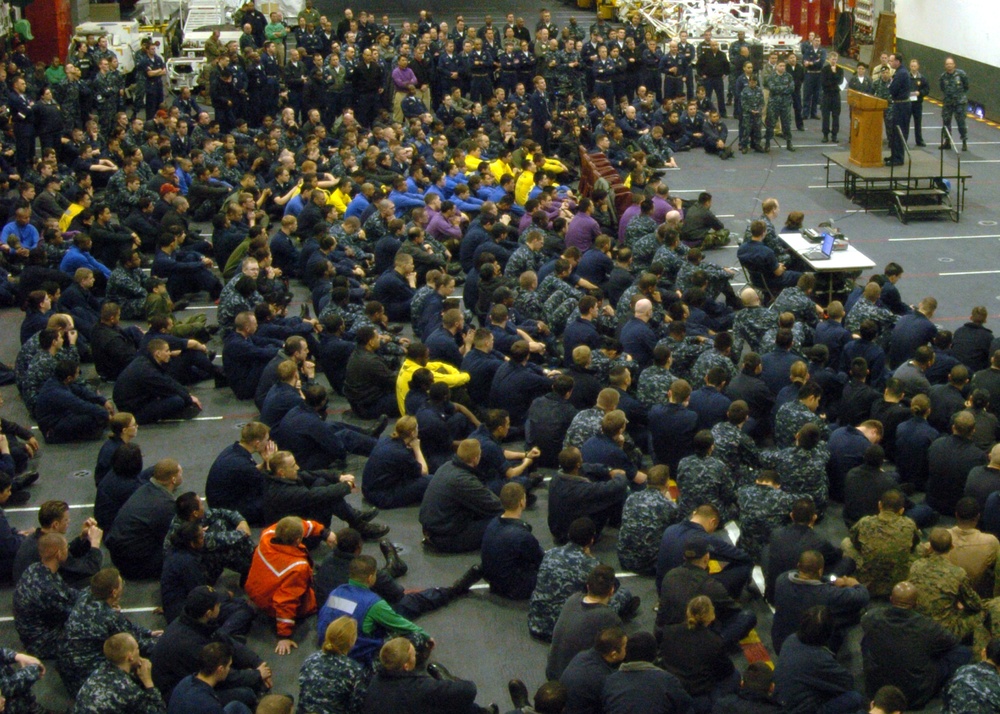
pixel 981 161
pixel 8 618
pixel 981 143
pixel 870 210
pixel 822 185
pixel 182 421
pixel 34 509
pixel 725 215
pixel 795 166
pixel 202 307
pixel 971 272
pixel 687 190
pixel 926 238
pixel 813 146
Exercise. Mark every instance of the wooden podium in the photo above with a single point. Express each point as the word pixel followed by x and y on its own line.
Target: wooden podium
pixel 867 120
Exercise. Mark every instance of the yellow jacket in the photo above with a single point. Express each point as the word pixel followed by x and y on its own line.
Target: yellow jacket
pixel 69 215
pixel 443 372
pixel 525 182
pixel 498 168
pixel 339 200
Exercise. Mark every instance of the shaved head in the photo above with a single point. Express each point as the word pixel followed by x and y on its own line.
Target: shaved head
pixel 904 595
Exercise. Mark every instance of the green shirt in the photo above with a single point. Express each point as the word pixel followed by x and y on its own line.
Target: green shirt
pixel 381 613
pixel 275 31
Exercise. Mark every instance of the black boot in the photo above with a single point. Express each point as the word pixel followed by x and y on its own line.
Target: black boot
pixel 24 480
pixel 767 145
pixel 789 146
pixel 469 578
pixel 965 145
pixel 518 693
pixel 378 427
pixel 366 513
pixel 393 563
pixel 439 672
pixel 372 530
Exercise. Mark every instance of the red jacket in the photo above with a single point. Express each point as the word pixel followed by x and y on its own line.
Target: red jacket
pixel 280 579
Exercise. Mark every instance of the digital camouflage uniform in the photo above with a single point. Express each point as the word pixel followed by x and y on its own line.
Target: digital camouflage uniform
pixel 563 571
pixel 670 260
pixel 643 249
pixel 737 450
pixel 973 689
pixel 779 105
pixel 684 355
pixel 585 424
pixel 26 357
pixel 751 109
pixel 16 684
pixel 225 547
pixel 522 259
pixel 331 684
pixel 231 304
pixel 762 510
pixel 109 690
pixel 107 97
pixel 945 595
pixel 41 368
pixel 639 226
pixel 749 327
pixel 88 626
pixel 794 300
pixel 654 381
pixel 42 602
pixel 798 338
pixel 69 97
pixel 706 480
pixel 864 310
pixel 645 516
pixel 127 289
pixel 802 471
pixel 528 305
pixel 882 546
pixel 955 102
pixel 706 361
pixel 560 306
pixel 553 284
pixel 791 417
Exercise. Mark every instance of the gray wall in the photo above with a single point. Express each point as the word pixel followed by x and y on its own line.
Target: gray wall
pixel 983 78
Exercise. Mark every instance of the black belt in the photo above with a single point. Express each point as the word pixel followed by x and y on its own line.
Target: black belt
pixel 602 81
pixel 901 101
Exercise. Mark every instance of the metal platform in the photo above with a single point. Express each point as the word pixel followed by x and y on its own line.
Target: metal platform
pixel 922 171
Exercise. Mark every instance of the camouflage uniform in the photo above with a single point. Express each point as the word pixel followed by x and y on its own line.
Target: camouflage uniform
pixel 864 310
pixel 106 98
pixel 109 690
pixel 762 510
pixel 231 304
pixel 416 306
pixel 654 381
pixel 706 361
pixel 802 471
pixel 670 260
pixel 794 300
pixel 706 480
pixel 528 305
pixel 751 113
pixel 749 327
pixel 798 337
pixel 16 684
pixel 375 227
pixel 42 602
pixel 882 546
pixel 585 424
pixel 974 688
pixel 29 351
pixel 331 684
pixel 645 516
pixel 522 259
pixel 643 249
pixel 559 307
pixel 69 100
pixel 127 289
pixel 684 354
pixel 225 547
pixel 42 367
pixel 955 103
pixel 945 595
pixel 89 625
pixel 737 450
pixel 718 278
pixel 553 284
pixel 791 417
pixel 571 80
pixel 563 571
pixel 779 105
pixel 638 227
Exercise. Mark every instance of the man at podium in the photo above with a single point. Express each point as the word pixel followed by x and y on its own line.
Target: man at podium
pixel 899 93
